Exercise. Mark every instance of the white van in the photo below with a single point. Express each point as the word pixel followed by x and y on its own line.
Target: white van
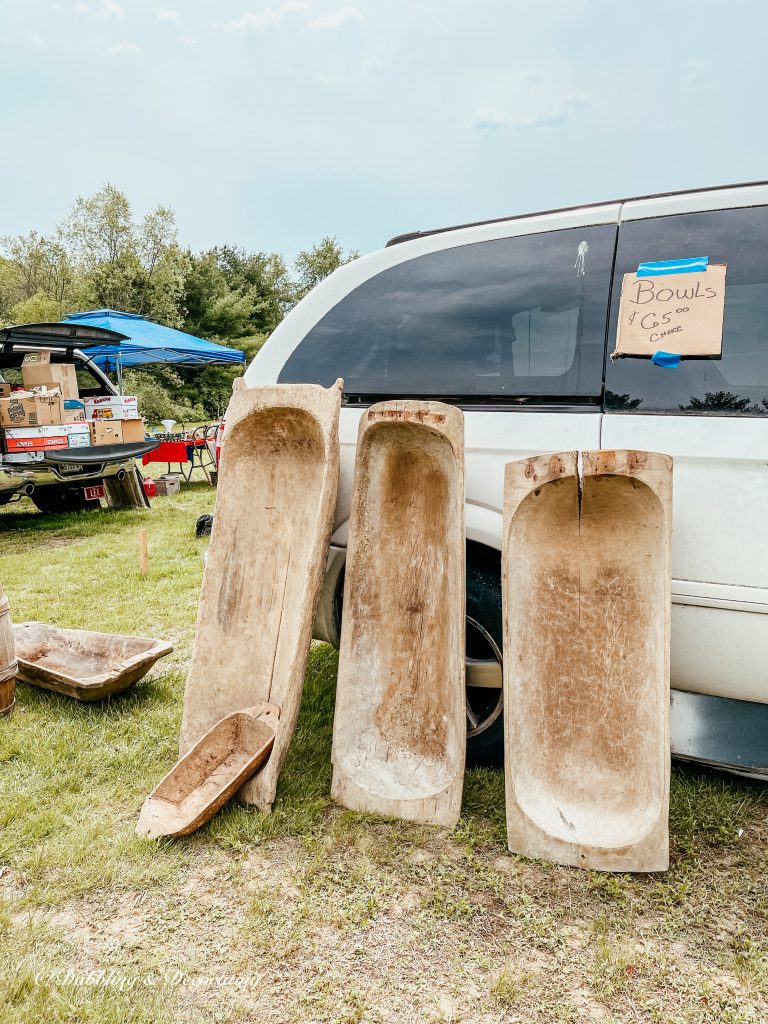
pixel 513 321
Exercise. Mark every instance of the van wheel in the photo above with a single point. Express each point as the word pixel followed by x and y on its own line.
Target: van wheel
pixel 62 499
pixel 485 719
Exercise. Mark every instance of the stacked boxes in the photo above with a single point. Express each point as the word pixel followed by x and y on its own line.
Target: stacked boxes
pixel 31 409
pixel 114 419
pixel 38 371
pixel 40 439
pixel 49 414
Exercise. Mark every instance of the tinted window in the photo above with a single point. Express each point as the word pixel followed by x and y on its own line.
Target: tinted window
pixel 512 317
pixel 735 383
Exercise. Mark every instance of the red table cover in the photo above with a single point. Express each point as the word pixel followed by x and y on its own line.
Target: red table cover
pixel 169 451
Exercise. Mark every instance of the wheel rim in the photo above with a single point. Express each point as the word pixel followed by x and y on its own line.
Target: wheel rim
pixel 484 704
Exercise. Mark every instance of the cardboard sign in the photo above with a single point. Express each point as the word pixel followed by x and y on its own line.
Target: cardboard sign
pixel 680 313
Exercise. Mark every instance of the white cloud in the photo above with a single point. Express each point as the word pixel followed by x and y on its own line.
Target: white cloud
pixel 531 75
pixel 257 21
pixel 374 62
pixel 81 8
pixel 488 117
pixel 109 8
pixel 329 77
pixel 188 40
pixel 125 49
pixel 544 117
pixel 165 13
pixel 548 117
pixel 335 20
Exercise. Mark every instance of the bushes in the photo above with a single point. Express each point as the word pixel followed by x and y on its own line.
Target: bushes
pixel 154 389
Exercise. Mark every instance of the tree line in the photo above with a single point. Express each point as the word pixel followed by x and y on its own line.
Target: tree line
pixel 100 257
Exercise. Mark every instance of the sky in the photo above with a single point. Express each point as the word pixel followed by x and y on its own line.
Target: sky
pixel 271 126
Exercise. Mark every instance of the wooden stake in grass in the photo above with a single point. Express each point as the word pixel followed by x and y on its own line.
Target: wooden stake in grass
pixel 143 553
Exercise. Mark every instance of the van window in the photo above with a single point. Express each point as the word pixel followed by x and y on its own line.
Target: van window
pixel 512 317
pixel 735 383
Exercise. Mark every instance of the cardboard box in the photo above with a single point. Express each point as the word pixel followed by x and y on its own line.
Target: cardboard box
pixel 5 390
pixel 37 370
pixel 133 431
pixel 73 411
pixel 106 431
pixel 25 409
pixel 40 358
pixel 112 407
pixel 167 484
pixel 39 439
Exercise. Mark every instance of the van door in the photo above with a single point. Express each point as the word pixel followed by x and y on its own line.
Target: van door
pixel 711 415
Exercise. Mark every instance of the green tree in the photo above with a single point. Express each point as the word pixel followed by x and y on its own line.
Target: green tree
pixel 138 268
pixel 230 293
pixel 37 309
pixel 213 307
pixel 157 391
pixel 35 266
pixel 312 265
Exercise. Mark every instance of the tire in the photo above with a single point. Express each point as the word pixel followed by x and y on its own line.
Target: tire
pixel 485 719
pixel 55 498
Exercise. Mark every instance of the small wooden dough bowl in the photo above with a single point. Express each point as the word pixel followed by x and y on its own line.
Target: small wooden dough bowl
pixel 83 664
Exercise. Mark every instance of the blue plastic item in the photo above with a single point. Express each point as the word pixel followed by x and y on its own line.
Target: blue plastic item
pixel 690 266
pixel 669 360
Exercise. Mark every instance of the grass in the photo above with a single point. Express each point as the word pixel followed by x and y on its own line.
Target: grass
pixel 314 913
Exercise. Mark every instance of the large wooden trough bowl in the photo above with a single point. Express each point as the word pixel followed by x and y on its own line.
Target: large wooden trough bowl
pixel 586 568
pixel 400 726
pixel 83 664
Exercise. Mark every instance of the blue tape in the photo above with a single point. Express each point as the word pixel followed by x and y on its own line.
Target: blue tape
pixel 669 360
pixel 691 266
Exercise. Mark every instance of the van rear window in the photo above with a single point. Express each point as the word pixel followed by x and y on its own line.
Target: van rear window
pixel 735 383
pixel 508 318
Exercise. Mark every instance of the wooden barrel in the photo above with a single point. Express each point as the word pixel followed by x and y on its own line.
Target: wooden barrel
pixel 8 664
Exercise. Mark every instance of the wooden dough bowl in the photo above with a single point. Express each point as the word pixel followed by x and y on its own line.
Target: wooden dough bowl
pixel 586 588
pixel 83 664
pixel 266 563
pixel 400 725
pixel 209 773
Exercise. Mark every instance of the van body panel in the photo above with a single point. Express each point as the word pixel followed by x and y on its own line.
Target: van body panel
pixel 719 546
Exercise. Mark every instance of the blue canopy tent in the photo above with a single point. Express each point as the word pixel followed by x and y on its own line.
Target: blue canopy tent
pixel 148 342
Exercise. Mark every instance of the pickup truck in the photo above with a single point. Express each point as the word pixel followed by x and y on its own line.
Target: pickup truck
pixel 65 480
